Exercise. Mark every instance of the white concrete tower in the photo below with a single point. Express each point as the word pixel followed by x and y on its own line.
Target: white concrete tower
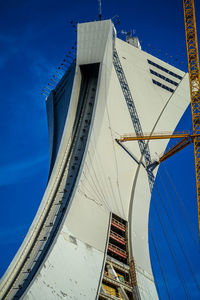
pixel 89 239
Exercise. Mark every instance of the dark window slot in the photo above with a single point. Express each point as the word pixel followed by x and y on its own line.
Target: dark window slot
pixel 164 69
pixel 164 78
pixel 163 86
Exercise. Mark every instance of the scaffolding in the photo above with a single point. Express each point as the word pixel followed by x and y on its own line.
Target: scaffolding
pixel 117 280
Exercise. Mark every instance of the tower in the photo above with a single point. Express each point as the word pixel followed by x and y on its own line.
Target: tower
pixel 89 239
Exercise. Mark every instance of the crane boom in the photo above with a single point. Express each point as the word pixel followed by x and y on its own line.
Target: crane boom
pixel 155 136
pixel 194 79
pixel 186 139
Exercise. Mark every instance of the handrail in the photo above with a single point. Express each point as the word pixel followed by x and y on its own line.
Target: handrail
pixel 114 221
pixel 112 233
pixel 117 248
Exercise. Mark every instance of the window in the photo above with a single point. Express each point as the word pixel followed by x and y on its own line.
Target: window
pixel 164 69
pixel 163 77
pixel 163 86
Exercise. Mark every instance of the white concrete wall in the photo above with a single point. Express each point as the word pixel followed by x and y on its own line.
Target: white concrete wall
pixel 60 279
pixel 159 111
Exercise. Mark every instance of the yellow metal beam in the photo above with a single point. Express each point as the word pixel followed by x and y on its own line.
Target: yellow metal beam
pixel 178 147
pixel 158 136
pixel 194 78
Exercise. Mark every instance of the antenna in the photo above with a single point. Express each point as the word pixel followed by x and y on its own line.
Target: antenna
pixel 99 10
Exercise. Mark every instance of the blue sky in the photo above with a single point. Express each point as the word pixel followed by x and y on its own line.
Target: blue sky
pixel 34 37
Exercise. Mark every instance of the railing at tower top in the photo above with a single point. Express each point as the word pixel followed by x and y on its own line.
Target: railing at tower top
pixel 144 148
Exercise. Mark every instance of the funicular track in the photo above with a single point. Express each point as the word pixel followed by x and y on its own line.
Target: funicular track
pixel 52 213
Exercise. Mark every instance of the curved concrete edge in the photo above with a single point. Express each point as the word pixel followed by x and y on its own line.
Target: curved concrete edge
pixel 17 262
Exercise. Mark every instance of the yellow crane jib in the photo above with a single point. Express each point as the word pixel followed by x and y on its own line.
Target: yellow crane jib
pixel 186 139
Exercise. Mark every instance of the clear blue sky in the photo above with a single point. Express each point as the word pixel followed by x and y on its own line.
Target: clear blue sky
pixel 34 37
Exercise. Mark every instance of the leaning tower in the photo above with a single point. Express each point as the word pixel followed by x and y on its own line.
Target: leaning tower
pixel 89 238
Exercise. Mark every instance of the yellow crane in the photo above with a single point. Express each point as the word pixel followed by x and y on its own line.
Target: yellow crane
pixel 194 79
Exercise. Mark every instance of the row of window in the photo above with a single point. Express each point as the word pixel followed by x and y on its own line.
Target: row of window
pixel 163 77
pixel 164 69
pixel 163 86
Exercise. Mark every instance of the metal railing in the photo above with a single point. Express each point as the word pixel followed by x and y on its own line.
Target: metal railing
pixel 118 224
pixel 117 237
pixel 117 250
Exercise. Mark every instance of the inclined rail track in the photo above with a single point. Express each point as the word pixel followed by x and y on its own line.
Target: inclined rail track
pixel 52 213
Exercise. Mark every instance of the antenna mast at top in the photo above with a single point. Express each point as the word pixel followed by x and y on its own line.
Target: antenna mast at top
pixel 99 10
